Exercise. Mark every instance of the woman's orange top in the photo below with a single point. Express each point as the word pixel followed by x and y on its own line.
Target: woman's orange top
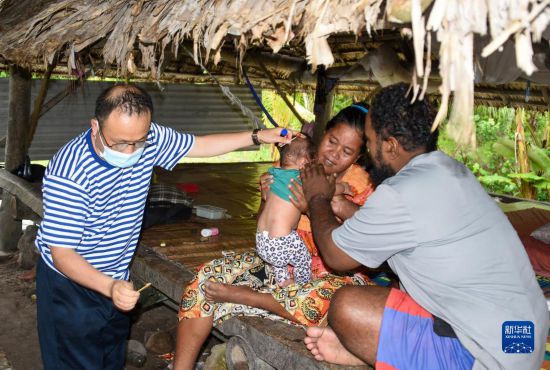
pixel 362 188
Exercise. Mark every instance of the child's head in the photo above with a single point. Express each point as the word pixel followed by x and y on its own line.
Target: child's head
pixel 298 152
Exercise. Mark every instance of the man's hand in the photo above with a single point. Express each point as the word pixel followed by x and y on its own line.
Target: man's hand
pixel 315 182
pixel 275 135
pixel 123 295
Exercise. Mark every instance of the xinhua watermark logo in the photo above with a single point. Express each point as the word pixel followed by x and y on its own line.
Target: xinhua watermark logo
pixel 518 337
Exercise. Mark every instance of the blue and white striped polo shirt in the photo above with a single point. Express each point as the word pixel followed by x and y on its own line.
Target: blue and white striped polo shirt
pixel 96 208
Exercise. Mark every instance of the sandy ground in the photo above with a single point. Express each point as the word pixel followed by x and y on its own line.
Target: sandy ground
pixel 19 340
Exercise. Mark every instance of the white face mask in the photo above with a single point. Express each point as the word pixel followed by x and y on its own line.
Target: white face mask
pixel 119 159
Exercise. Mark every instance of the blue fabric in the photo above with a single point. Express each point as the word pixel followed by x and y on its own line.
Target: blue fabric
pixel 77 328
pixel 361 108
pixel 409 342
pixel 281 180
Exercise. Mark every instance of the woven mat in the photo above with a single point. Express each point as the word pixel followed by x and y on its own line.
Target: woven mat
pixel 182 242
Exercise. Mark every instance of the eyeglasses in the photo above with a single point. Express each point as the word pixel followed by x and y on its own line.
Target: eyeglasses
pixel 121 147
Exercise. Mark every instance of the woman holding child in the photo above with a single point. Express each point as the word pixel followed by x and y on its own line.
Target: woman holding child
pixel 243 284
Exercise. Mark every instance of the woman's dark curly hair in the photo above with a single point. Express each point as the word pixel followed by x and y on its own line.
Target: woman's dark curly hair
pixel 392 114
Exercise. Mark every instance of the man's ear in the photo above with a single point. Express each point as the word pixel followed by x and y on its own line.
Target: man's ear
pixel 94 124
pixel 392 147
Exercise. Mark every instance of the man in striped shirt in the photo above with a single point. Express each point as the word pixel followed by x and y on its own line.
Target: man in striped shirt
pixel 94 195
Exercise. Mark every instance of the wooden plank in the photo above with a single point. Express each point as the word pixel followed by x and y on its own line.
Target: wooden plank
pixel 166 276
pixel 23 190
pixel 279 344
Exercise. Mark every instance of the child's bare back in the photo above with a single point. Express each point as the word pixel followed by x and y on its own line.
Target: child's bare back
pixel 277 242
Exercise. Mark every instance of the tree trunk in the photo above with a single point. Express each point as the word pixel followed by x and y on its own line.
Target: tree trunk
pixel 19 103
pixel 526 188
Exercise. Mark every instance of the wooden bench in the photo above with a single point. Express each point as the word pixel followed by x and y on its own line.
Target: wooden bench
pixel 25 198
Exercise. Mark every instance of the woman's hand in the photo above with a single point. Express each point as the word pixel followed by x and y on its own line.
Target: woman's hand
pixel 265 183
pixel 342 207
pixel 298 199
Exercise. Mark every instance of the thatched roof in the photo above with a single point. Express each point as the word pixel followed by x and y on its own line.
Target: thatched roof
pixel 154 35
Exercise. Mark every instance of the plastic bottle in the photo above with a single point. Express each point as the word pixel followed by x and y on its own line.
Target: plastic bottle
pixel 211 231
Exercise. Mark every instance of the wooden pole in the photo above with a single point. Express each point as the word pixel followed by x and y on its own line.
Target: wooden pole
pixel 281 93
pixel 19 102
pixel 324 96
pixel 38 101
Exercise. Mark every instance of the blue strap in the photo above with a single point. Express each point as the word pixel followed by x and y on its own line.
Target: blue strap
pixel 258 100
pixel 361 108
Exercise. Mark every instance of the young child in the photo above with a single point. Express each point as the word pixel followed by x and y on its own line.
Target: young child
pixel 277 242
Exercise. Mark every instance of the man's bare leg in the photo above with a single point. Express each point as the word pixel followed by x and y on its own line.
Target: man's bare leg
pixel 192 334
pixel 355 318
pixel 219 292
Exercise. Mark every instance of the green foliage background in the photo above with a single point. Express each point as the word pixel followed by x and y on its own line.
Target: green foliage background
pixel 494 162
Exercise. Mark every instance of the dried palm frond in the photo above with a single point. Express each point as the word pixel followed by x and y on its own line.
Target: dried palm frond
pixel 35 31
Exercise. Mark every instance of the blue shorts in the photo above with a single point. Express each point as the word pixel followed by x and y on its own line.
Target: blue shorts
pixel 408 341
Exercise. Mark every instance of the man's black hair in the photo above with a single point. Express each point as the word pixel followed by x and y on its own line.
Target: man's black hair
pixel 130 99
pixel 392 114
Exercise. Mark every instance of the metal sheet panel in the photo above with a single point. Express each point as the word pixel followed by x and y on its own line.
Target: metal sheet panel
pixel 199 109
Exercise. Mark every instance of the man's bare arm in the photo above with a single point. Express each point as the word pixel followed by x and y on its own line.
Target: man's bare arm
pixel 318 191
pixel 323 222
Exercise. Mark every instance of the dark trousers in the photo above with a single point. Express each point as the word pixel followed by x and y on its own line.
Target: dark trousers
pixel 78 329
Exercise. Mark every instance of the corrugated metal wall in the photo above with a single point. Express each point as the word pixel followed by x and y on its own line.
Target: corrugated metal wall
pixel 199 109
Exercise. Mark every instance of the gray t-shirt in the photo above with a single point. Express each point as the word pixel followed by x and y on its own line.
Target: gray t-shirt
pixel 455 253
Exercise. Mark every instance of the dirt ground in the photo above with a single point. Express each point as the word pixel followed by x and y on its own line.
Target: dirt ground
pixel 19 349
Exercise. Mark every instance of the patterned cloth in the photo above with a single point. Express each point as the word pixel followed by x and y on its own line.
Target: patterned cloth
pixel 161 194
pixel 308 303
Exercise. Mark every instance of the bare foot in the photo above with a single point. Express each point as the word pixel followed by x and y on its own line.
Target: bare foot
pixel 286 283
pixel 220 293
pixel 324 345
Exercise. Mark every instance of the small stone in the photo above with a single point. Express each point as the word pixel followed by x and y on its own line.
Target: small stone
pixel 216 360
pixel 136 354
pixel 159 342
pixel 28 254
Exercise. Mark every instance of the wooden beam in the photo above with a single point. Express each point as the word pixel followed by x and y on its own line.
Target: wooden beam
pixel 71 87
pixel 19 102
pixel 26 192
pixel 282 94
pixel 324 96
pixel 545 95
pixel 38 101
